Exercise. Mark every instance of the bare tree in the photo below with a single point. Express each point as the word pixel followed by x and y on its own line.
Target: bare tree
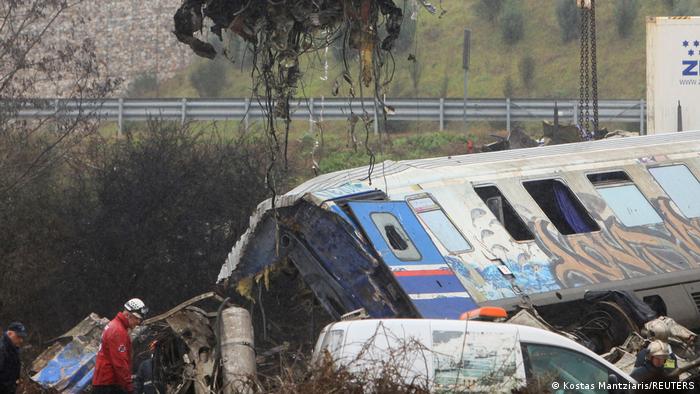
pixel 40 55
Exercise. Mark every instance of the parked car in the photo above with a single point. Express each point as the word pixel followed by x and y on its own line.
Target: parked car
pixel 468 355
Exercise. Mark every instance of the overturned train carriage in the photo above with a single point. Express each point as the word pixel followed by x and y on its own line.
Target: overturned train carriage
pixel 436 237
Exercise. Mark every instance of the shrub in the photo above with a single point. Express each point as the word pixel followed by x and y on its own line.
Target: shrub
pixel 144 85
pixel 489 9
pixel 625 14
pixel 683 7
pixel 508 87
pixel 512 23
pixel 569 18
pixel 444 85
pixel 152 214
pixel 210 77
pixel 527 70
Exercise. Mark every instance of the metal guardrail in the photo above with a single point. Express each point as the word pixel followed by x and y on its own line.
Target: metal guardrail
pixel 319 109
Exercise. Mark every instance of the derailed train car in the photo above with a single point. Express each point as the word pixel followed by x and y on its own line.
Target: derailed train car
pixel 434 238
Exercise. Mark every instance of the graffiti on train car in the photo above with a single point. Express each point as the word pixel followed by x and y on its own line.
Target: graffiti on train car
pixel 618 252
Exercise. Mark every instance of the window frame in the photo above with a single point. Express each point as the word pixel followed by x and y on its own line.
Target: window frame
pixel 411 242
pixel 650 167
pixel 515 211
pixel 419 196
pixel 575 196
pixel 629 181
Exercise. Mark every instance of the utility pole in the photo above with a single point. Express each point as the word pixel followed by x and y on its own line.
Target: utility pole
pixel 465 66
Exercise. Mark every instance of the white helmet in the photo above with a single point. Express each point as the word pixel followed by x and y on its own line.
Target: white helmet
pixel 136 307
pixel 658 348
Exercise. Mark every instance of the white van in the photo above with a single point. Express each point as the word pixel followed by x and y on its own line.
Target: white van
pixel 468 355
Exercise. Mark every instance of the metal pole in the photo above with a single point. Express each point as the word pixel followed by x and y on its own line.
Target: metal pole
pixel 641 118
pixel 56 114
pixel 183 112
pixel 575 114
pixel 508 114
pixel 245 117
pixel 311 115
pixel 466 45
pixel 442 114
pixel 679 115
pixel 556 118
pixel 120 118
pixel 464 109
pixel 323 106
pixel 376 118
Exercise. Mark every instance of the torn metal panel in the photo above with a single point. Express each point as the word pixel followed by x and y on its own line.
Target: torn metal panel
pixel 348 261
pixel 192 326
pixel 339 267
pixel 68 364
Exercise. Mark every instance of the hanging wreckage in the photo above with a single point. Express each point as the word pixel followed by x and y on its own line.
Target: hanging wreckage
pixel 434 238
pixel 278 34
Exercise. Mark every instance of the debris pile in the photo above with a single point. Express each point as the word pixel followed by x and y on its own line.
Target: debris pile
pixel 618 326
pixel 198 352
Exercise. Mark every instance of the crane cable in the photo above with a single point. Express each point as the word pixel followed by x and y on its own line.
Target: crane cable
pixel 588 82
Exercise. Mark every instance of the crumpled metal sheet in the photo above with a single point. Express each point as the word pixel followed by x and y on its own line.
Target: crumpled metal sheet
pixel 68 364
pixel 257 219
pixel 192 326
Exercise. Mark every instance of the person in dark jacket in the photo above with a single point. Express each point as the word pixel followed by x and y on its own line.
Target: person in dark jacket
pixel 144 381
pixel 10 364
pixel 657 364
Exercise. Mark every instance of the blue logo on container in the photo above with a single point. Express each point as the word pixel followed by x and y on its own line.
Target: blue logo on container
pixel 690 66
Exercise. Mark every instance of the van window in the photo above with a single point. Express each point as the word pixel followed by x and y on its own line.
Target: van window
pixel 332 341
pixel 395 236
pixel 547 364
pixel 681 186
pixel 561 206
pixel 504 212
pixel 477 362
pixel 439 224
pixel 624 198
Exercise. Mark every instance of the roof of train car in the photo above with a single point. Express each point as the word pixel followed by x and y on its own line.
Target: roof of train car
pixel 484 165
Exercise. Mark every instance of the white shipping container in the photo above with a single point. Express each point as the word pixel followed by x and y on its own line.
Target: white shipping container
pixel 673 73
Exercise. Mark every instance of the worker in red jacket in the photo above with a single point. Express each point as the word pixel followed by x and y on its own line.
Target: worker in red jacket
pixel 113 365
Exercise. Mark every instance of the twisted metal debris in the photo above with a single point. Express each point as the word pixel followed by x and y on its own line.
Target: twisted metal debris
pixel 281 31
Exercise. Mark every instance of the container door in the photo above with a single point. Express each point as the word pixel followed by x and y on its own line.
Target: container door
pixel 406 248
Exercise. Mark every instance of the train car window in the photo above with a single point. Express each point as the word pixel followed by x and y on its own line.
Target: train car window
pixel 681 185
pixel 504 212
pixel 560 205
pixel 395 236
pixel 622 196
pixel 432 215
